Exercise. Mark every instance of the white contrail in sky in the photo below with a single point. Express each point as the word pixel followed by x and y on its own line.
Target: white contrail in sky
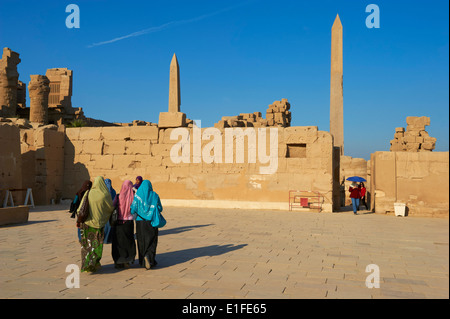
pixel 165 26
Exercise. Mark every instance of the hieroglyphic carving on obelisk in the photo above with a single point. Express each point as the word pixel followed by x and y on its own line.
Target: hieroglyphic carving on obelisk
pixel 336 85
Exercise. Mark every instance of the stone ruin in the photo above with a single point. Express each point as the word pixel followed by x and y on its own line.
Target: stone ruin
pixel 415 138
pixel 50 94
pixel 54 160
pixel 277 114
pixel 9 78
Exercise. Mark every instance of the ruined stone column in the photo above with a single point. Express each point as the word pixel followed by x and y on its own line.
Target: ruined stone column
pixel 39 89
pixel 337 85
pixel 9 78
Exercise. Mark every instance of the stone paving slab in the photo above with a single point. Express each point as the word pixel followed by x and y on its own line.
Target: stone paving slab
pixel 243 254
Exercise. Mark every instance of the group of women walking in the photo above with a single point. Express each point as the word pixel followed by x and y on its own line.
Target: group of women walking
pixel 134 202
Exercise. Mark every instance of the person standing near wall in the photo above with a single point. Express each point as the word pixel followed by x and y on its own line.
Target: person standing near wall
pixel 138 183
pixel 77 201
pixel 355 195
pixel 144 205
pixel 363 196
pixel 123 243
pixel 112 191
pixel 92 230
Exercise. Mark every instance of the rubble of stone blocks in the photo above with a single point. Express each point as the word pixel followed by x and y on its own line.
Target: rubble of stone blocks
pixel 277 114
pixel 415 138
pixel 242 120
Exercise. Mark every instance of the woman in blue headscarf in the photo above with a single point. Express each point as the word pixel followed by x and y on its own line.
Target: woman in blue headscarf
pixel 112 191
pixel 145 203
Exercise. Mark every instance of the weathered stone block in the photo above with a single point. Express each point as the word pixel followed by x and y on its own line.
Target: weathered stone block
pixel 412 147
pixel 418 121
pixel 14 215
pixel 119 133
pixel 73 133
pixel 419 139
pixel 92 147
pixel 428 146
pixel 171 119
pixel 137 147
pixel 114 147
pixel 144 133
pixel 102 161
pixel 90 133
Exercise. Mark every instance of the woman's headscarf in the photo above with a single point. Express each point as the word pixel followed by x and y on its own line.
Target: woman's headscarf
pixel 126 197
pixel 100 204
pixel 138 184
pixel 111 190
pixel 146 201
pixel 86 185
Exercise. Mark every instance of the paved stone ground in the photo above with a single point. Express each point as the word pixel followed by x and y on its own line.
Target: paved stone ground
pixel 209 254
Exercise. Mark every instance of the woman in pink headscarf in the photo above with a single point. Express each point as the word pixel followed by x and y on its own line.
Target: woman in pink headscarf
pixel 123 243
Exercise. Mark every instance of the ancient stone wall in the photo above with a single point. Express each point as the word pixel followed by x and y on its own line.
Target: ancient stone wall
pixel 304 161
pixel 42 153
pixel 418 179
pixel 10 160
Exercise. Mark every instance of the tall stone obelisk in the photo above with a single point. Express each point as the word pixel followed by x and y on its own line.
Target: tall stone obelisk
pixel 337 85
pixel 173 118
pixel 174 86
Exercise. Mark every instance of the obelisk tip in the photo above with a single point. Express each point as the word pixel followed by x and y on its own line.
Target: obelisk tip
pixel 337 21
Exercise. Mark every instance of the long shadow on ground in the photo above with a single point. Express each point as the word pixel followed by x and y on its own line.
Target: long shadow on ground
pixel 173 258
pixel 177 230
pixel 181 256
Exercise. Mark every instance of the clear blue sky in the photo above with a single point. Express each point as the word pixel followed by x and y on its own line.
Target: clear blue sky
pixel 240 56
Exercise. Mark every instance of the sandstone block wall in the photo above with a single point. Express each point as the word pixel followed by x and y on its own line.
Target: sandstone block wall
pixel 419 179
pixel 10 160
pixel 305 162
pixel 42 153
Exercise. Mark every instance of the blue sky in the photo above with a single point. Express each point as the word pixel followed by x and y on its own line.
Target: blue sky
pixel 240 56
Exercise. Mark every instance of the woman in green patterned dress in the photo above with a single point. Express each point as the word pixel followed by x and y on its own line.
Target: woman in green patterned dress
pixel 92 234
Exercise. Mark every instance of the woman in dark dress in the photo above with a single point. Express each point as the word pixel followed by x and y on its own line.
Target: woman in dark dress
pixel 146 202
pixel 123 243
